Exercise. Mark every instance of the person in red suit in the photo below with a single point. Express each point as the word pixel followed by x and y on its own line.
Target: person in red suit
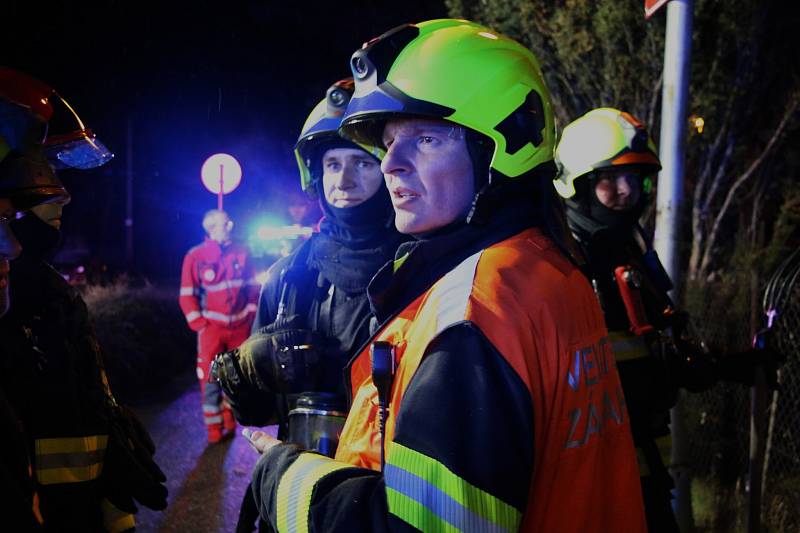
pixel 218 297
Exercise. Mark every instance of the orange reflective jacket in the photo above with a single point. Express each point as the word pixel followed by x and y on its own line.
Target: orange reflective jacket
pixel 540 314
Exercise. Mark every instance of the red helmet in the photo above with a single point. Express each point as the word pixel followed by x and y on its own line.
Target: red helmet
pixel 67 141
pixel 39 129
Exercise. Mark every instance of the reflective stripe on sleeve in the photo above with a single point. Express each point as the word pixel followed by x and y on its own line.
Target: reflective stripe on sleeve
pixel 427 495
pixel 69 460
pixel 296 487
pixel 114 519
pixel 193 315
pixel 627 347
pixel 187 291
pixel 222 317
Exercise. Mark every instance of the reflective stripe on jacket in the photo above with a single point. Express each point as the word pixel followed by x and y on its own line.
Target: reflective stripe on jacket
pixel 218 285
pixel 69 459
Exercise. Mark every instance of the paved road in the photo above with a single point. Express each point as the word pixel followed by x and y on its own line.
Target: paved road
pixel 205 482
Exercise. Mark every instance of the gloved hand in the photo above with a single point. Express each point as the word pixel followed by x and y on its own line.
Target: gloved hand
pixel 688 364
pixel 129 471
pixel 281 357
pixel 254 407
pixel 741 367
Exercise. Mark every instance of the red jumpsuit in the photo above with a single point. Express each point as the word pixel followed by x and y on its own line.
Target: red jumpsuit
pixel 218 297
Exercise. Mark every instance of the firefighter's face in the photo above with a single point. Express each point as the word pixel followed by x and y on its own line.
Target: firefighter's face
pixel 9 249
pixel 619 191
pixel 349 176
pixel 50 213
pixel 428 172
pixel 219 228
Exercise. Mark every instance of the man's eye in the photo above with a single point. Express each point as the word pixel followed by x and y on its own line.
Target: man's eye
pixel 333 165
pixel 427 140
pixel 364 163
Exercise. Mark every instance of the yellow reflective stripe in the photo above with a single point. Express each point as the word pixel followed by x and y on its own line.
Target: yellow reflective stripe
pixel 52 476
pixel 426 494
pixel 116 520
pixel 413 508
pixel 398 263
pixel 71 444
pixel 123 523
pixel 296 488
pixel 69 459
pixel 627 347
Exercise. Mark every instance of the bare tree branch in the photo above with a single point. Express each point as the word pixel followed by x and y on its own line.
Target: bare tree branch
pixel 741 180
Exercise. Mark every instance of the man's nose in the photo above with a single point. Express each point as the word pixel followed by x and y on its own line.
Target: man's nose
pixel 347 177
pixel 395 162
pixel 9 245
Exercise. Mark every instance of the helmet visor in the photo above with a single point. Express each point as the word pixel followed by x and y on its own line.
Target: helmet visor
pixel 80 149
pixel 69 143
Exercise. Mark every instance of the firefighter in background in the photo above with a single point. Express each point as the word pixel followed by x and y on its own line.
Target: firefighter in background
pixel 90 456
pixel 218 297
pixel 317 296
pixel 503 412
pixel 321 287
pixel 607 163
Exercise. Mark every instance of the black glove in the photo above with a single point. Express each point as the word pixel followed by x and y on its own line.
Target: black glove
pixel 688 364
pixel 280 358
pixel 129 471
pixel 741 367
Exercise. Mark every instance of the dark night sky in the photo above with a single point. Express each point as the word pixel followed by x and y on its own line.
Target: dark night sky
pixel 191 79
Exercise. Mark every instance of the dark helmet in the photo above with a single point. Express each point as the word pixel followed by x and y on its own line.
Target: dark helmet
pixel 322 128
pixel 40 130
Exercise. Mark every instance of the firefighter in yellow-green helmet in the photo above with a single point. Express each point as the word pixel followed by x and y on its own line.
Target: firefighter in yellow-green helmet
pixel 607 163
pixel 471 407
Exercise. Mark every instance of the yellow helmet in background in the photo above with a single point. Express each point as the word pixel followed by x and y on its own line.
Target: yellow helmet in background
pixel 601 139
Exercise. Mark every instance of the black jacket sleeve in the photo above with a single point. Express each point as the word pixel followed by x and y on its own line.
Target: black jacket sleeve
pixel 466 414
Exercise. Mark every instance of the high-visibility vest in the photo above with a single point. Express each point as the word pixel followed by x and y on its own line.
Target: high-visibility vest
pixel 540 314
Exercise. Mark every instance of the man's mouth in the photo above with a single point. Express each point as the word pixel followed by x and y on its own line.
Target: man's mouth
pixel 348 200
pixel 402 196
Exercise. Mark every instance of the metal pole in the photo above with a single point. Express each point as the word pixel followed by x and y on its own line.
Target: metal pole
pixel 675 92
pixel 129 196
pixel 219 196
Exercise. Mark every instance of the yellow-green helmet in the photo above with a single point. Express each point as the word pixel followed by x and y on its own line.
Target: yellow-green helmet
pixel 461 72
pixel 601 139
pixel 322 125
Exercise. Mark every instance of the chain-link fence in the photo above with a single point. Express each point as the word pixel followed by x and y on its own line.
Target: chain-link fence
pixel 719 421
